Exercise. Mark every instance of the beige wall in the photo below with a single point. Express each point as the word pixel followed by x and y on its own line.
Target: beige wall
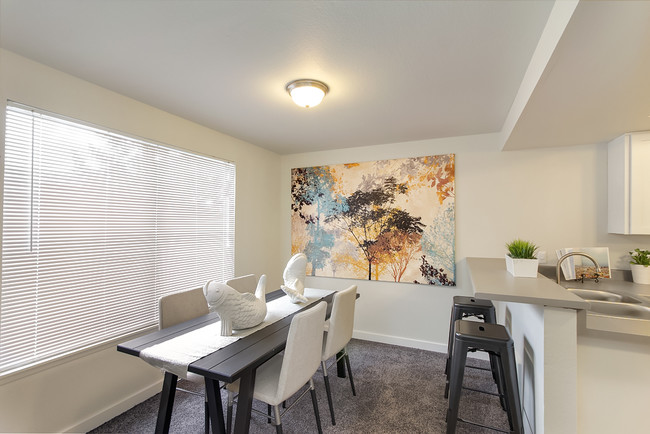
pixel 555 197
pixel 82 392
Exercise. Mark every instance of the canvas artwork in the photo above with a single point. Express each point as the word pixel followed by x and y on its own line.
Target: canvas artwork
pixel 389 220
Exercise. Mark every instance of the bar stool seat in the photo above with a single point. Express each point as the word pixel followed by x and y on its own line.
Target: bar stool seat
pixel 465 307
pixel 494 339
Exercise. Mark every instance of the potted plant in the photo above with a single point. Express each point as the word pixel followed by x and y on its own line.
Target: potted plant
pixel 520 259
pixel 640 266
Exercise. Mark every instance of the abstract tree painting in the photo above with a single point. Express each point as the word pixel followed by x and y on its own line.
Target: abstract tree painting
pixel 390 220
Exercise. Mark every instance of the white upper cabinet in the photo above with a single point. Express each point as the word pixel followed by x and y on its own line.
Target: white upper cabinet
pixel 628 192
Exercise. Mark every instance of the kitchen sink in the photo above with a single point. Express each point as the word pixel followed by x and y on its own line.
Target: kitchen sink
pixel 615 309
pixel 620 309
pixel 594 294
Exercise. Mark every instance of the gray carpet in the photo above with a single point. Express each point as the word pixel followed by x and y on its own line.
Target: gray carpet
pixel 399 390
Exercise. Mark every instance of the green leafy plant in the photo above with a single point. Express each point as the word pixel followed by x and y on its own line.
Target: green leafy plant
pixel 520 249
pixel 640 257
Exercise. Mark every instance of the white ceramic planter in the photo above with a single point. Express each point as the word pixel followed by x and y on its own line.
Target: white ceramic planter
pixel 522 267
pixel 640 274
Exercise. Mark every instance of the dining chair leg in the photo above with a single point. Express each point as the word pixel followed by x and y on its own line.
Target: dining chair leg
pixel 326 378
pixel 314 401
pixel 347 363
pixel 340 365
pixel 278 420
pixel 268 411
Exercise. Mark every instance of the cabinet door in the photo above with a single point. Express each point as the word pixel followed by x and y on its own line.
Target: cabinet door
pixel 618 193
pixel 639 183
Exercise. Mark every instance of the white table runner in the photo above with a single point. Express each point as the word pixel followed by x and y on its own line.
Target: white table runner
pixel 176 354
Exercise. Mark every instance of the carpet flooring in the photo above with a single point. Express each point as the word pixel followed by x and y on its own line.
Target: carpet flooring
pixel 399 390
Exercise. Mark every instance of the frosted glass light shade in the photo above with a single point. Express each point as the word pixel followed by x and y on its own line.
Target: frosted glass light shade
pixel 307 93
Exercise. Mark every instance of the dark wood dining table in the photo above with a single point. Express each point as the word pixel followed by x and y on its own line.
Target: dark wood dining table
pixel 237 361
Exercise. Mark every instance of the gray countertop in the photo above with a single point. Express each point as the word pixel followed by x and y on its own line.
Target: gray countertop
pixel 491 280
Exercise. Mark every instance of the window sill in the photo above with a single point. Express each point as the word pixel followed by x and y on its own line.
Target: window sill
pixel 43 365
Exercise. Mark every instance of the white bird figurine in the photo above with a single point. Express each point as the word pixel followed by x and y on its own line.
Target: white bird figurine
pixel 294 278
pixel 237 310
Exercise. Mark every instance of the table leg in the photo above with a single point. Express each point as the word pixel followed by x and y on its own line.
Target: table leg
pixel 214 406
pixel 340 364
pixel 245 402
pixel 166 403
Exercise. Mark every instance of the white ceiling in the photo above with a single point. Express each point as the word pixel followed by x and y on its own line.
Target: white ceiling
pixel 398 70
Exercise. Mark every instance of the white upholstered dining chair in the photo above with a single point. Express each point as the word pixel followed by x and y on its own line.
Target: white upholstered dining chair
pixel 175 309
pixel 337 335
pixel 285 374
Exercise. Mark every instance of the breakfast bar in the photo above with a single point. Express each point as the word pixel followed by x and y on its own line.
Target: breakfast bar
pixel 542 319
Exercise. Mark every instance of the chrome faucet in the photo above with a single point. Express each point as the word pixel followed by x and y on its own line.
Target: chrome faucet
pixel 559 263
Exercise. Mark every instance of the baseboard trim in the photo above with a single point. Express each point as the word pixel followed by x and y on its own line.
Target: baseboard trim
pixel 401 341
pixel 116 409
pixel 411 343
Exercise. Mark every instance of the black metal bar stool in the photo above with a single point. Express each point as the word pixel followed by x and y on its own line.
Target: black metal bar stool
pixel 494 339
pixel 465 307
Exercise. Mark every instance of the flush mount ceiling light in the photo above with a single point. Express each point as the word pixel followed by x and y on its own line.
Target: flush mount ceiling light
pixel 307 93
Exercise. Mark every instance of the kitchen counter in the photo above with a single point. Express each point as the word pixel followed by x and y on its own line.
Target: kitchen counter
pixel 633 325
pixel 576 376
pixel 542 319
pixel 491 280
pixel 613 362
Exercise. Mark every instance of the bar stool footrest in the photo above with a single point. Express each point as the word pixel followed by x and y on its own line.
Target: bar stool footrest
pixel 482 391
pixel 482 426
pixel 478 367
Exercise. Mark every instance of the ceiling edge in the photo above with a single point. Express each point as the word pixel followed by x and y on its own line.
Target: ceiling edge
pixel 557 23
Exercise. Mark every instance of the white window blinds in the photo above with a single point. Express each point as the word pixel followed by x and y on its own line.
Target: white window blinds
pixel 97 227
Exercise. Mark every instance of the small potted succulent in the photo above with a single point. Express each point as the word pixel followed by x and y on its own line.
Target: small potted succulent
pixel 521 260
pixel 640 266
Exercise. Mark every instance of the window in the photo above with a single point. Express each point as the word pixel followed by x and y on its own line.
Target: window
pixel 97 226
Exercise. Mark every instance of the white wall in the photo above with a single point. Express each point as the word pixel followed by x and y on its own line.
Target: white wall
pixel 555 197
pixel 83 392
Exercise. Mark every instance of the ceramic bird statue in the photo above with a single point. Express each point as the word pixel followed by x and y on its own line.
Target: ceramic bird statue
pixel 237 310
pixel 294 278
